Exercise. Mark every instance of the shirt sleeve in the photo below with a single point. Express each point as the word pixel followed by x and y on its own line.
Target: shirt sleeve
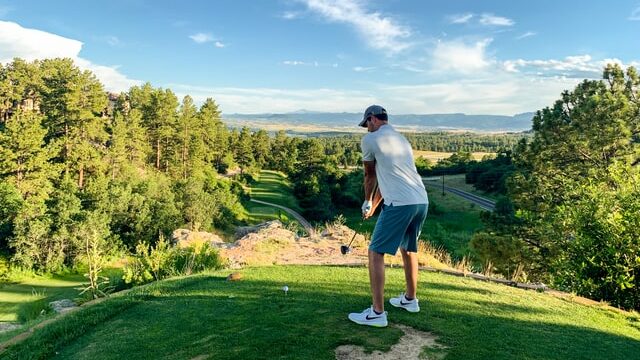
pixel 367 150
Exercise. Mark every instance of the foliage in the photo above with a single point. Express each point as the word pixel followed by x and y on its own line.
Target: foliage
pixel 574 191
pixel 152 263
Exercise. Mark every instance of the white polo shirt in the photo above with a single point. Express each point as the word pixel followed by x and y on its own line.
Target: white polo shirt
pixel 398 180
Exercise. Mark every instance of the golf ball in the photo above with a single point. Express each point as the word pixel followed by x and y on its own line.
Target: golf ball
pixel 285 288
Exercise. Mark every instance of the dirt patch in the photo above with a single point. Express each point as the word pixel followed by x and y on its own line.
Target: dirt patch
pixel 272 244
pixel 413 344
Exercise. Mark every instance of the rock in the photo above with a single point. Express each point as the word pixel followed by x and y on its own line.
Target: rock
pixel 242 231
pixel 63 305
pixel 8 326
pixel 184 238
pixel 234 276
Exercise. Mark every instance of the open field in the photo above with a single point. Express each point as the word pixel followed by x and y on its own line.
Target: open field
pixel 206 317
pixel 434 156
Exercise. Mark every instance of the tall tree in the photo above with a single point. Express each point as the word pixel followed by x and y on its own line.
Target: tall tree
pixel 244 150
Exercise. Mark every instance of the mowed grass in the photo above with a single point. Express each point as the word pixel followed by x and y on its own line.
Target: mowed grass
pixel 206 317
pixel 273 187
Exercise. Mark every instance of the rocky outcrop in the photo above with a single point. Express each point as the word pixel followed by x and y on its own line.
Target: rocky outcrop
pixel 184 238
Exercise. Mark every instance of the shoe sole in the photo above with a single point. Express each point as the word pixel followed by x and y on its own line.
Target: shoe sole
pixel 368 324
pixel 409 310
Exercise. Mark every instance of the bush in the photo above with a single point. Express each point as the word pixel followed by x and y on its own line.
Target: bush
pixel 162 261
pixel 33 309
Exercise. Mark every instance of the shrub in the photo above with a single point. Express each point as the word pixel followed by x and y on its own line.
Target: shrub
pixel 162 261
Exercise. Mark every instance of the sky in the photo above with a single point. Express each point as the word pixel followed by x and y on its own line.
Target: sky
pixel 276 56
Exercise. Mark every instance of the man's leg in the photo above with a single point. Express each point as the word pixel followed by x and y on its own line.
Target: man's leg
pixel 410 260
pixel 376 279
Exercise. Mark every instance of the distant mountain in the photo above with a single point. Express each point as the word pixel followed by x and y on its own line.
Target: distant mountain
pixel 409 122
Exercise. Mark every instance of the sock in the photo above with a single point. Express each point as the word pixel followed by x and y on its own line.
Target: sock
pixel 377 313
pixel 408 298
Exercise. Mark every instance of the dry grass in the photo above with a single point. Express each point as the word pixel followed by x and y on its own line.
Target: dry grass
pixel 435 156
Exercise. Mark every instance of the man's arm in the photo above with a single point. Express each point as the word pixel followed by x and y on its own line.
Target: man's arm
pixel 370 179
pixel 371 190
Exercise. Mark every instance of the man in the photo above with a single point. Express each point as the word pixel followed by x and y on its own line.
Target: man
pixel 388 163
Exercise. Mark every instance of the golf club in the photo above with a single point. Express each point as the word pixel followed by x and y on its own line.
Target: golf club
pixel 346 249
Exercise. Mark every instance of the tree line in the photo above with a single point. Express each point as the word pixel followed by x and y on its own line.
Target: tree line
pixel 571 216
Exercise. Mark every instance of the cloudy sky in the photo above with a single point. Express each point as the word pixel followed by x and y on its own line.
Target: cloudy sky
pixel 476 57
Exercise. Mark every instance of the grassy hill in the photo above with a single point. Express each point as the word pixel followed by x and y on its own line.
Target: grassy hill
pixel 206 317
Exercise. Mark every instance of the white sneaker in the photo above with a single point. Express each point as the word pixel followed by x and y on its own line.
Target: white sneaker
pixel 369 317
pixel 402 302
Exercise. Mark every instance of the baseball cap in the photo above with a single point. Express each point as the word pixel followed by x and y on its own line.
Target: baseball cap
pixel 372 110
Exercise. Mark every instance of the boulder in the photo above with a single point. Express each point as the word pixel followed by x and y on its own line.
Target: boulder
pixel 184 238
pixel 61 306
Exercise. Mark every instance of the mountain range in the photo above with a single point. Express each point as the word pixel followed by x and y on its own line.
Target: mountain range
pixel 348 122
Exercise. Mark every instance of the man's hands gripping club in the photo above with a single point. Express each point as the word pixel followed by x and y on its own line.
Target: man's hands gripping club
pixel 372 194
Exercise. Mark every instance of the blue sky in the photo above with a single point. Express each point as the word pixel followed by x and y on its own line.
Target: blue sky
pixel 477 57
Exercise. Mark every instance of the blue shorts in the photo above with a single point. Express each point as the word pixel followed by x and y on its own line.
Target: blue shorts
pixel 398 226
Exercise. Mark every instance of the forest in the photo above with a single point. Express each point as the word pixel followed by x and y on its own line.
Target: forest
pixel 84 171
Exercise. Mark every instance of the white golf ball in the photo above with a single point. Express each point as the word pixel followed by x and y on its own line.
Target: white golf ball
pixel 285 288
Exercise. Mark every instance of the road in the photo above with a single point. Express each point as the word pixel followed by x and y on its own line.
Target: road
pixel 307 226
pixel 484 203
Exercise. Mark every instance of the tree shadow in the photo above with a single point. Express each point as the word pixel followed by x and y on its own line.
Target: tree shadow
pixel 254 318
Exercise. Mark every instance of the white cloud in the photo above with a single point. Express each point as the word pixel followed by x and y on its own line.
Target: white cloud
pixel 526 35
pixel 635 14
pixel 490 19
pixel 269 100
pixel 460 57
pixel 579 66
pixel 460 18
pixel 380 32
pixel 32 44
pixel 219 44
pixel 294 62
pixel 201 38
pixel 500 94
pixel 363 68
pixel 113 40
pixel 290 15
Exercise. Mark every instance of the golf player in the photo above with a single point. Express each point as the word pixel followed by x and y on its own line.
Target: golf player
pixel 388 162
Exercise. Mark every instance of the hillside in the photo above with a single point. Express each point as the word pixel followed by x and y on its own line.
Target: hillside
pixel 347 122
pixel 206 317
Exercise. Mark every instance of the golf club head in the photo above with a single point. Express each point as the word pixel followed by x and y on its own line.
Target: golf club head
pixel 345 249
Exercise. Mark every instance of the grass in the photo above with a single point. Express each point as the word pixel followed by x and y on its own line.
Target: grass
pixel 273 187
pixel 458 181
pixel 450 226
pixel 206 317
pixel 25 298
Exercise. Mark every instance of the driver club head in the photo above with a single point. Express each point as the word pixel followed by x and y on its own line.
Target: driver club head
pixel 345 249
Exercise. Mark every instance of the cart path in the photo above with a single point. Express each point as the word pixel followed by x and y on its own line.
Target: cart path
pixel 307 226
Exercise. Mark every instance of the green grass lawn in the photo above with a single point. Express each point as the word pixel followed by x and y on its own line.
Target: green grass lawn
pixel 273 187
pixel 453 223
pixel 206 317
pixel 14 296
pixel 23 298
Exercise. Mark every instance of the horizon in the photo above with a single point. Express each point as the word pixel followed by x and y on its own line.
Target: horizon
pixel 413 57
